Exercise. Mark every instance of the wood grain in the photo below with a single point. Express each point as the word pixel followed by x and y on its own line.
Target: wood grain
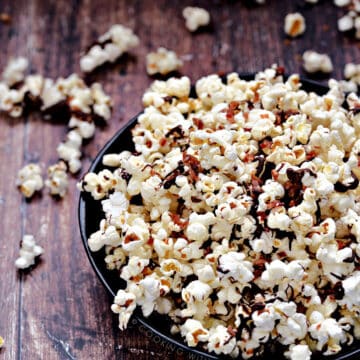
pixel 60 310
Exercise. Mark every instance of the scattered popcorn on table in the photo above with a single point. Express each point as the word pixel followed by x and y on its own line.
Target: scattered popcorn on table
pixel 352 74
pixel 316 62
pixel 238 214
pixel 294 24
pixel 350 22
pixel 29 179
pixel 28 252
pixel 57 180
pixel 14 71
pixel 109 47
pixel 162 62
pixel 195 17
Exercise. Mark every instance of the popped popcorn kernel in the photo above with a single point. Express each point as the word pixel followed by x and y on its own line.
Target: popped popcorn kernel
pixel 163 61
pixel 14 71
pixel 57 180
pixel 109 47
pixel 314 62
pixel 29 250
pixel 294 24
pixel 195 17
pixel 29 180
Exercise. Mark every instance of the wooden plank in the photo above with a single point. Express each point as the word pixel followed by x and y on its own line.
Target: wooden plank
pixel 60 310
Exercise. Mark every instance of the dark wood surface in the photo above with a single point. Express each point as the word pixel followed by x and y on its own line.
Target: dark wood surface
pixel 60 310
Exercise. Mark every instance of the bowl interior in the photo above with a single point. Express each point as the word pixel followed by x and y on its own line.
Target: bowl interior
pixel 90 214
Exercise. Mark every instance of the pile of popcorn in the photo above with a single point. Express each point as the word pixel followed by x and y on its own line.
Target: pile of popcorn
pixel 69 98
pixel 238 214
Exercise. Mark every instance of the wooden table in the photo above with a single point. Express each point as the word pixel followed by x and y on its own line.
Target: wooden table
pixel 60 310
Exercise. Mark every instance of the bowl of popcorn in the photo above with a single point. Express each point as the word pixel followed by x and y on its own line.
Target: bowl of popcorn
pixel 226 216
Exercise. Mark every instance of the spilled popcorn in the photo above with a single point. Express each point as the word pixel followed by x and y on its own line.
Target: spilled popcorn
pixel 109 47
pixel 294 24
pixel 163 61
pixel 195 17
pixel 57 180
pixel 238 214
pixel 28 252
pixel 29 180
pixel 315 62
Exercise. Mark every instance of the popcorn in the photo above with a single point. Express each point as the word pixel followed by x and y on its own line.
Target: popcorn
pixel 314 62
pixel 14 71
pixel 294 24
pixel 124 305
pixel 109 47
pixel 195 17
pixel 29 180
pixel 29 250
pixel 239 207
pixel 57 181
pixel 298 352
pixel 162 62
pixel 69 151
pixel 352 73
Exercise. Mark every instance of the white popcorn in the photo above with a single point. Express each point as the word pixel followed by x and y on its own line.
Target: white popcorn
pixel 28 252
pixel 14 71
pixel 240 206
pixel 57 180
pixel 111 45
pixel 124 305
pixel 345 23
pixel 352 73
pixel 163 61
pixel 29 180
pixel 69 151
pixel 194 332
pixel 314 62
pixel 342 3
pixel 294 24
pixel 299 352
pixel 195 17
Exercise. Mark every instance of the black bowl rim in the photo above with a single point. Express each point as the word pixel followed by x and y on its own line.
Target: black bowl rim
pixel 316 87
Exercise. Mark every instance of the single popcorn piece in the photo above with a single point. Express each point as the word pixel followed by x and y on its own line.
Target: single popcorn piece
pixel 70 151
pixel 29 180
pixel 14 71
pixel 316 62
pixel 352 73
pixel 162 62
pixel 294 24
pixel 238 214
pixel 195 17
pixel 109 47
pixel 28 252
pixel 57 180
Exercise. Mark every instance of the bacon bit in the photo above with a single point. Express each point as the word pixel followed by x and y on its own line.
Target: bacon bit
pixel 136 278
pixel 162 142
pixel 148 143
pixel 150 241
pixel 266 144
pixel 147 271
pixel 232 110
pixel 194 166
pixel 177 221
pixel 342 243
pixel 261 215
pixel 282 254
pixel 274 174
pixel 274 204
pixel 310 155
pixel 248 158
pixel 130 238
pixel 255 187
pixel 259 267
pixel 280 70
pixel 231 331
pixel 198 123
pixel 128 302
pixel 232 205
